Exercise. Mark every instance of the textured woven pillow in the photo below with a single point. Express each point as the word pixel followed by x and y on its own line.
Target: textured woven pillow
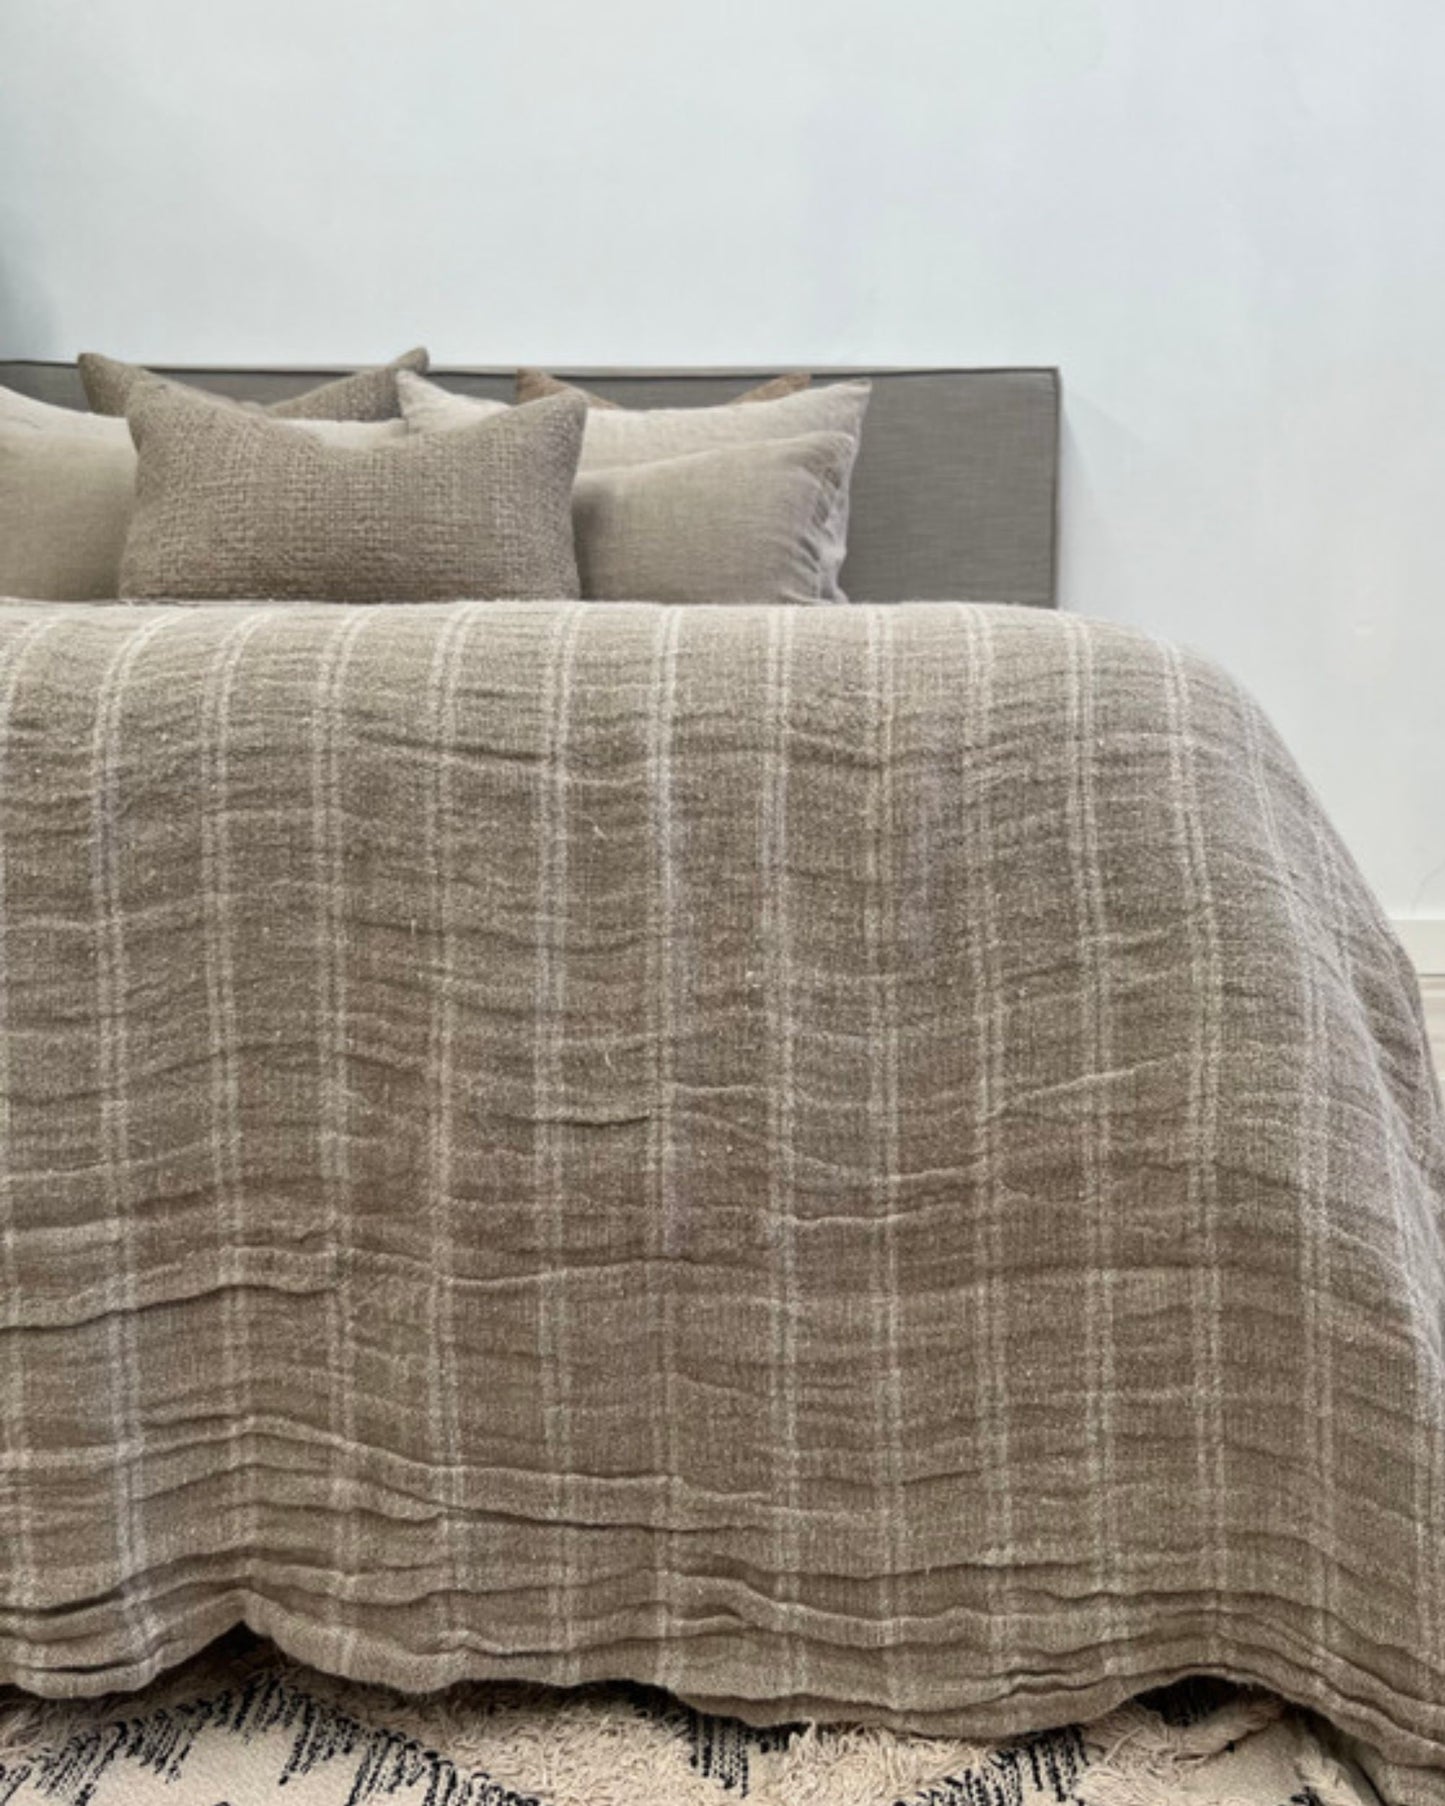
pixel 67 483
pixel 618 437
pixel 746 523
pixel 532 385
pixel 364 395
pixel 231 504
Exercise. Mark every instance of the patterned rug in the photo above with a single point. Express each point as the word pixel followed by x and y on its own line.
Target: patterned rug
pixel 243 1726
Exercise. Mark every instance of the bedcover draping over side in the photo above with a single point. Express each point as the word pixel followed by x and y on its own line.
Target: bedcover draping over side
pixel 878 1163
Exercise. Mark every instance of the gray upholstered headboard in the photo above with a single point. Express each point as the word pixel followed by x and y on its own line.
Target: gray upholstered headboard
pixel 954 495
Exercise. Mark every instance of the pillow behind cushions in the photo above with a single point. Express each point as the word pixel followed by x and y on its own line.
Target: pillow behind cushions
pixel 532 385
pixel 24 413
pixel 364 395
pixel 67 484
pixel 616 438
pixel 230 504
pixel 65 501
pixel 745 523
pixel 65 492
pixel 643 435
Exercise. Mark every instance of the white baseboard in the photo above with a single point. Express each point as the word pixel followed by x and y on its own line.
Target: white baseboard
pixel 1424 940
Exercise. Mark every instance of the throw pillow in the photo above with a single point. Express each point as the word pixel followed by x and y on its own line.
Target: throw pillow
pixel 532 385
pixel 746 523
pixel 364 395
pixel 232 504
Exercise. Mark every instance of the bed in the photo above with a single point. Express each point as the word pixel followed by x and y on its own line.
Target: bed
pixel 877 1163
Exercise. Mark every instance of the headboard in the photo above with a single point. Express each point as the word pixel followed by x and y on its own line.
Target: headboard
pixel 955 492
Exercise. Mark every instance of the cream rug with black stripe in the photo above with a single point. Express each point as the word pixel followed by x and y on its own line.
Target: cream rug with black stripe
pixel 243 1726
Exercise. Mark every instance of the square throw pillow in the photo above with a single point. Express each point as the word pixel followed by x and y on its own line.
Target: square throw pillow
pixel 231 504
pixel 745 523
pixel 618 437
pixel 532 385
pixel 364 395
pixel 67 483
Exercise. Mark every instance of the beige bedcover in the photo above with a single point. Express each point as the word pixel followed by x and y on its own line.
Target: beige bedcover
pixel 876 1162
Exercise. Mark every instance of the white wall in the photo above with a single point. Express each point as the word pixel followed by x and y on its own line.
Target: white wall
pixel 1224 220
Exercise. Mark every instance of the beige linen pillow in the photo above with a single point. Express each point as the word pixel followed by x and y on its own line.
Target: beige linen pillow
pixel 232 504
pixel 619 437
pixel 643 435
pixel 364 395
pixel 65 502
pixel 24 412
pixel 745 523
pixel 532 385
pixel 67 482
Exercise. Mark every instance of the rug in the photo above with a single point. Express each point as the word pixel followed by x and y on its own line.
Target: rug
pixel 244 1726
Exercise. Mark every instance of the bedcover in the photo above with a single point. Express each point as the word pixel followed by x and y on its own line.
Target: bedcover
pixel 877 1163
